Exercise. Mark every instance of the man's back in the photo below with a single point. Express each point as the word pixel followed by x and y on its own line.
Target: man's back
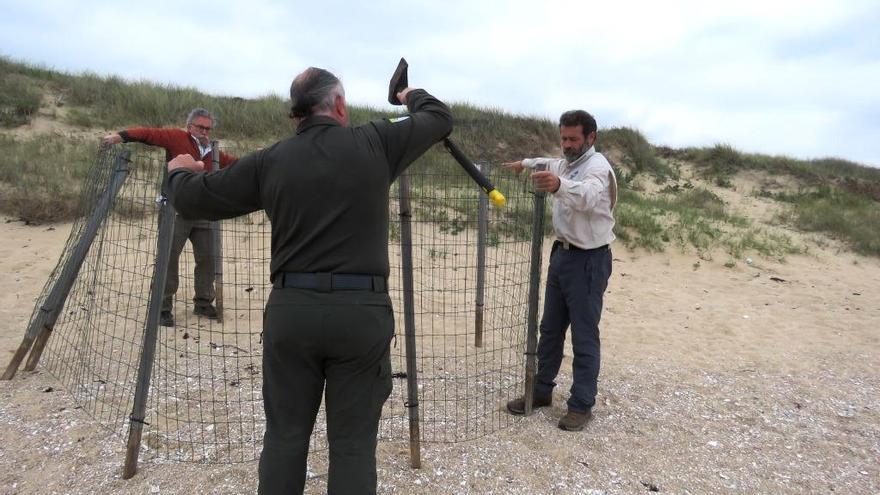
pixel 328 322
pixel 329 185
pixel 325 189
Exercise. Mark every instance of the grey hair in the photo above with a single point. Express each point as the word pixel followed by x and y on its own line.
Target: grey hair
pixel 200 112
pixel 314 91
pixel 329 100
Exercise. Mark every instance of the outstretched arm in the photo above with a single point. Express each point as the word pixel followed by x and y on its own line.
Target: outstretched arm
pixel 109 139
pixel 408 137
pixel 227 193
pixel 517 166
pixel 544 177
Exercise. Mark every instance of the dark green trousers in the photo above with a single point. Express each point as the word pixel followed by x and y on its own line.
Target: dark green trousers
pixel 335 344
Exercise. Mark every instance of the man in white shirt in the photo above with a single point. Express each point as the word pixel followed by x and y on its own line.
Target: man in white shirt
pixel 584 191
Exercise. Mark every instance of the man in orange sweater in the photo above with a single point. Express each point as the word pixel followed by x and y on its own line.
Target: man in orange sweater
pixel 194 141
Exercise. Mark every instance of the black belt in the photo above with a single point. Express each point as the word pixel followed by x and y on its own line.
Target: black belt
pixel 328 282
pixel 571 247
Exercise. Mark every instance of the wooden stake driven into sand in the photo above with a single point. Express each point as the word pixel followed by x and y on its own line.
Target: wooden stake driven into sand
pixel 151 331
pixel 217 245
pixel 409 321
pixel 534 285
pixel 41 326
pixel 482 239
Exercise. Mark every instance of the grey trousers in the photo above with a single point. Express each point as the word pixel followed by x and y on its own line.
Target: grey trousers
pixel 198 232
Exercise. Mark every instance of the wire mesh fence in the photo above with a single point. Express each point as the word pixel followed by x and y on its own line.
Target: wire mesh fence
pixel 470 274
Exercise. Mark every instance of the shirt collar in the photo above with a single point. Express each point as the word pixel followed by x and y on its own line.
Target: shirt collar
pixel 583 158
pixel 314 121
pixel 204 150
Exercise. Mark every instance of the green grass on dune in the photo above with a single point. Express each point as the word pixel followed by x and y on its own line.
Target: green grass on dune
pixel 40 179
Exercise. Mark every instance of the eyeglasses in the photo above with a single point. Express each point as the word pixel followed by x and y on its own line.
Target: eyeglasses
pixel 202 128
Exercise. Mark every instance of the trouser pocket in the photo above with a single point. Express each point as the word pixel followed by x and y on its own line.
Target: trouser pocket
pixel 383 385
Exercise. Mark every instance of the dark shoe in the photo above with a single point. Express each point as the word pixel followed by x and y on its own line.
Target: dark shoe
pixel 518 406
pixel 166 319
pixel 208 311
pixel 574 421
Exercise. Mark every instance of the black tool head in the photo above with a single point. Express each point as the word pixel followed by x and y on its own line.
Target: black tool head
pixel 398 82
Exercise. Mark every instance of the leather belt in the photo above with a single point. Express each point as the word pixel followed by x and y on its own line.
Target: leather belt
pixel 329 282
pixel 571 247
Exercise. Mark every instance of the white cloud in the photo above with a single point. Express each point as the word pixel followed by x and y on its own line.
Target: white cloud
pixel 783 76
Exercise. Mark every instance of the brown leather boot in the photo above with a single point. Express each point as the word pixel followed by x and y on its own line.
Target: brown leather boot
pixel 518 406
pixel 574 421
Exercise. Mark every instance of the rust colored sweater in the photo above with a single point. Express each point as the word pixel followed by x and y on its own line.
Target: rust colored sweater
pixel 175 141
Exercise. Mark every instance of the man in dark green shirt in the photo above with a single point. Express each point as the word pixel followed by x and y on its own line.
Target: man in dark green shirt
pixel 329 319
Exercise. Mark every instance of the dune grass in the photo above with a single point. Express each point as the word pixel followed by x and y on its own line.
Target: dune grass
pixel 723 161
pixel 41 178
pixel 639 156
pixel 38 185
pixel 696 218
pixel 20 98
pixel 849 217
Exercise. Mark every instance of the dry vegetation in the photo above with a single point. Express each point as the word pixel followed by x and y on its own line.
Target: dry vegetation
pixel 51 122
pixel 741 360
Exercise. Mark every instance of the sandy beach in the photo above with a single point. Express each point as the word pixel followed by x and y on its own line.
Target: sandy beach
pixel 757 378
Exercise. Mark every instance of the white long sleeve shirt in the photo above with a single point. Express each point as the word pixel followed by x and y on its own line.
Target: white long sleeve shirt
pixel 583 206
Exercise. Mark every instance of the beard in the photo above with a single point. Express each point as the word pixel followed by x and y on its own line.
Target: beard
pixel 572 154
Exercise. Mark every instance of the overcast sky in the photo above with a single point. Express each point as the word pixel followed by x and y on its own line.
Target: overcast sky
pixel 798 78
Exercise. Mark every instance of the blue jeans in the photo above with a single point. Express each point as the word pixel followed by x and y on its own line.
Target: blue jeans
pixel 576 283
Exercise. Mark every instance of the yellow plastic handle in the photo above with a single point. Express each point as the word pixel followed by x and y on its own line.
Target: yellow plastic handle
pixel 497 198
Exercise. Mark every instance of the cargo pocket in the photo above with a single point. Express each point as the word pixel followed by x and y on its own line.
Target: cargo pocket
pixel 382 385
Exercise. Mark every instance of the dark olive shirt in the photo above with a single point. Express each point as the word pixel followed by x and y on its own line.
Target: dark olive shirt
pixel 324 189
